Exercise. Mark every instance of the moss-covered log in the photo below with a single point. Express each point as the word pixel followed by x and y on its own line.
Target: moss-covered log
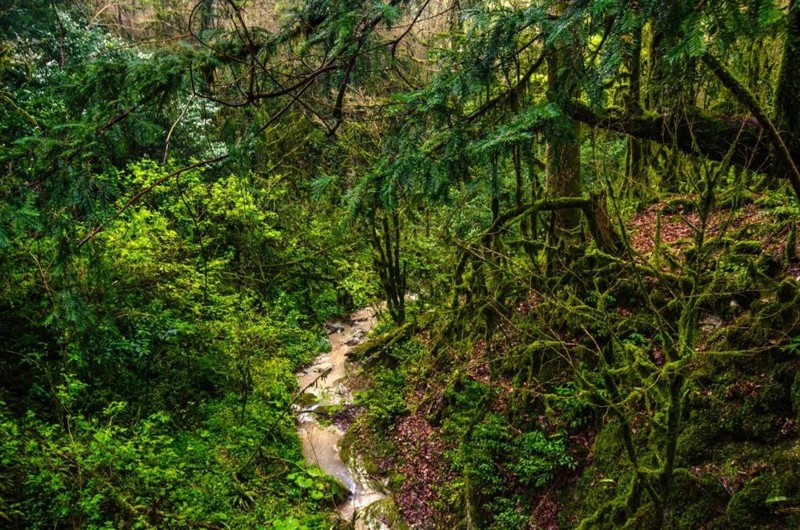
pixel 383 341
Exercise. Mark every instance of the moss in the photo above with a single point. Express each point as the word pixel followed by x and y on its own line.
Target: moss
pixel 370 464
pixel 696 501
pixel 769 265
pixel 748 506
pixel 788 290
pixel 610 507
pixel 608 446
pixel 679 205
pixel 606 488
pixel 306 399
pixel 346 444
pixel 795 396
pixel 384 513
pixel 786 465
pixel 695 443
pixel 791 241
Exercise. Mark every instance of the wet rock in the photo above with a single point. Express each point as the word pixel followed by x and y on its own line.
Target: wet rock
pixel 334 327
pixel 358 336
pixel 321 368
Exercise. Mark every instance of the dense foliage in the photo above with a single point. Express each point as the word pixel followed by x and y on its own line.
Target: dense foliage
pixel 581 216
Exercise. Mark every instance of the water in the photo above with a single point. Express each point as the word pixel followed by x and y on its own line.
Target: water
pixel 327 380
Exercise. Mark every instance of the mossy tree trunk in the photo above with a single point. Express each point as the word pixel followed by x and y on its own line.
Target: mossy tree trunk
pixel 635 168
pixel 787 97
pixel 563 155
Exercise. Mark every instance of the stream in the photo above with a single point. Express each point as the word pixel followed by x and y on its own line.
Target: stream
pixel 321 442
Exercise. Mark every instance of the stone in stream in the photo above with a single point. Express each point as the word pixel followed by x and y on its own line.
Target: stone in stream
pixel 321 368
pixel 334 327
pixel 357 338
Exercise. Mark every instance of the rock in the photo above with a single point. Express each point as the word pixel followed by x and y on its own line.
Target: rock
pixel 709 322
pixel 323 367
pixel 359 335
pixel 736 307
pixel 333 327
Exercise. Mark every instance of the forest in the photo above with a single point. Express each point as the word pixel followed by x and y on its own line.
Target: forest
pixel 531 264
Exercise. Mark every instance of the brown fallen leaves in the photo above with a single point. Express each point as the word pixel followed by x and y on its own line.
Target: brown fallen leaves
pixel 420 459
pixel 678 227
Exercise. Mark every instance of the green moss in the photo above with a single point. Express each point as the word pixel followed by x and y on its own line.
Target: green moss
pixel 384 511
pixel 696 500
pixel 769 265
pixel 607 504
pixel 679 205
pixel 795 393
pixel 306 399
pixel 346 444
pixel 748 506
pixel 696 442
pixel 788 290
pixel 786 464
pixel 606 489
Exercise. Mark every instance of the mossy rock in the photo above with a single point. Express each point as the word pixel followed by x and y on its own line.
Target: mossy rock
pixel 346 444
pixel 772 314
pixel 795 393
pixel 751 248
pixel 748 331
pixel 769 265
pixel 786 464
pixel 754 418
pixel 383 512
pixel 679 205
pixel 608 446
pixel 696 501
pixel 764 502
pixel 604 487
pixel 788 290
pixel 604 504
pixel 306 399
pixel 748 507
pixel 696 442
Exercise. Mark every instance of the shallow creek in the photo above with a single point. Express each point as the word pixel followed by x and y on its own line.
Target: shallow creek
pixel 327 380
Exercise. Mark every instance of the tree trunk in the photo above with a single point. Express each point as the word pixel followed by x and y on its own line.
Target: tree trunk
pixel 635 161
pixel 787 97
pixel 563 172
